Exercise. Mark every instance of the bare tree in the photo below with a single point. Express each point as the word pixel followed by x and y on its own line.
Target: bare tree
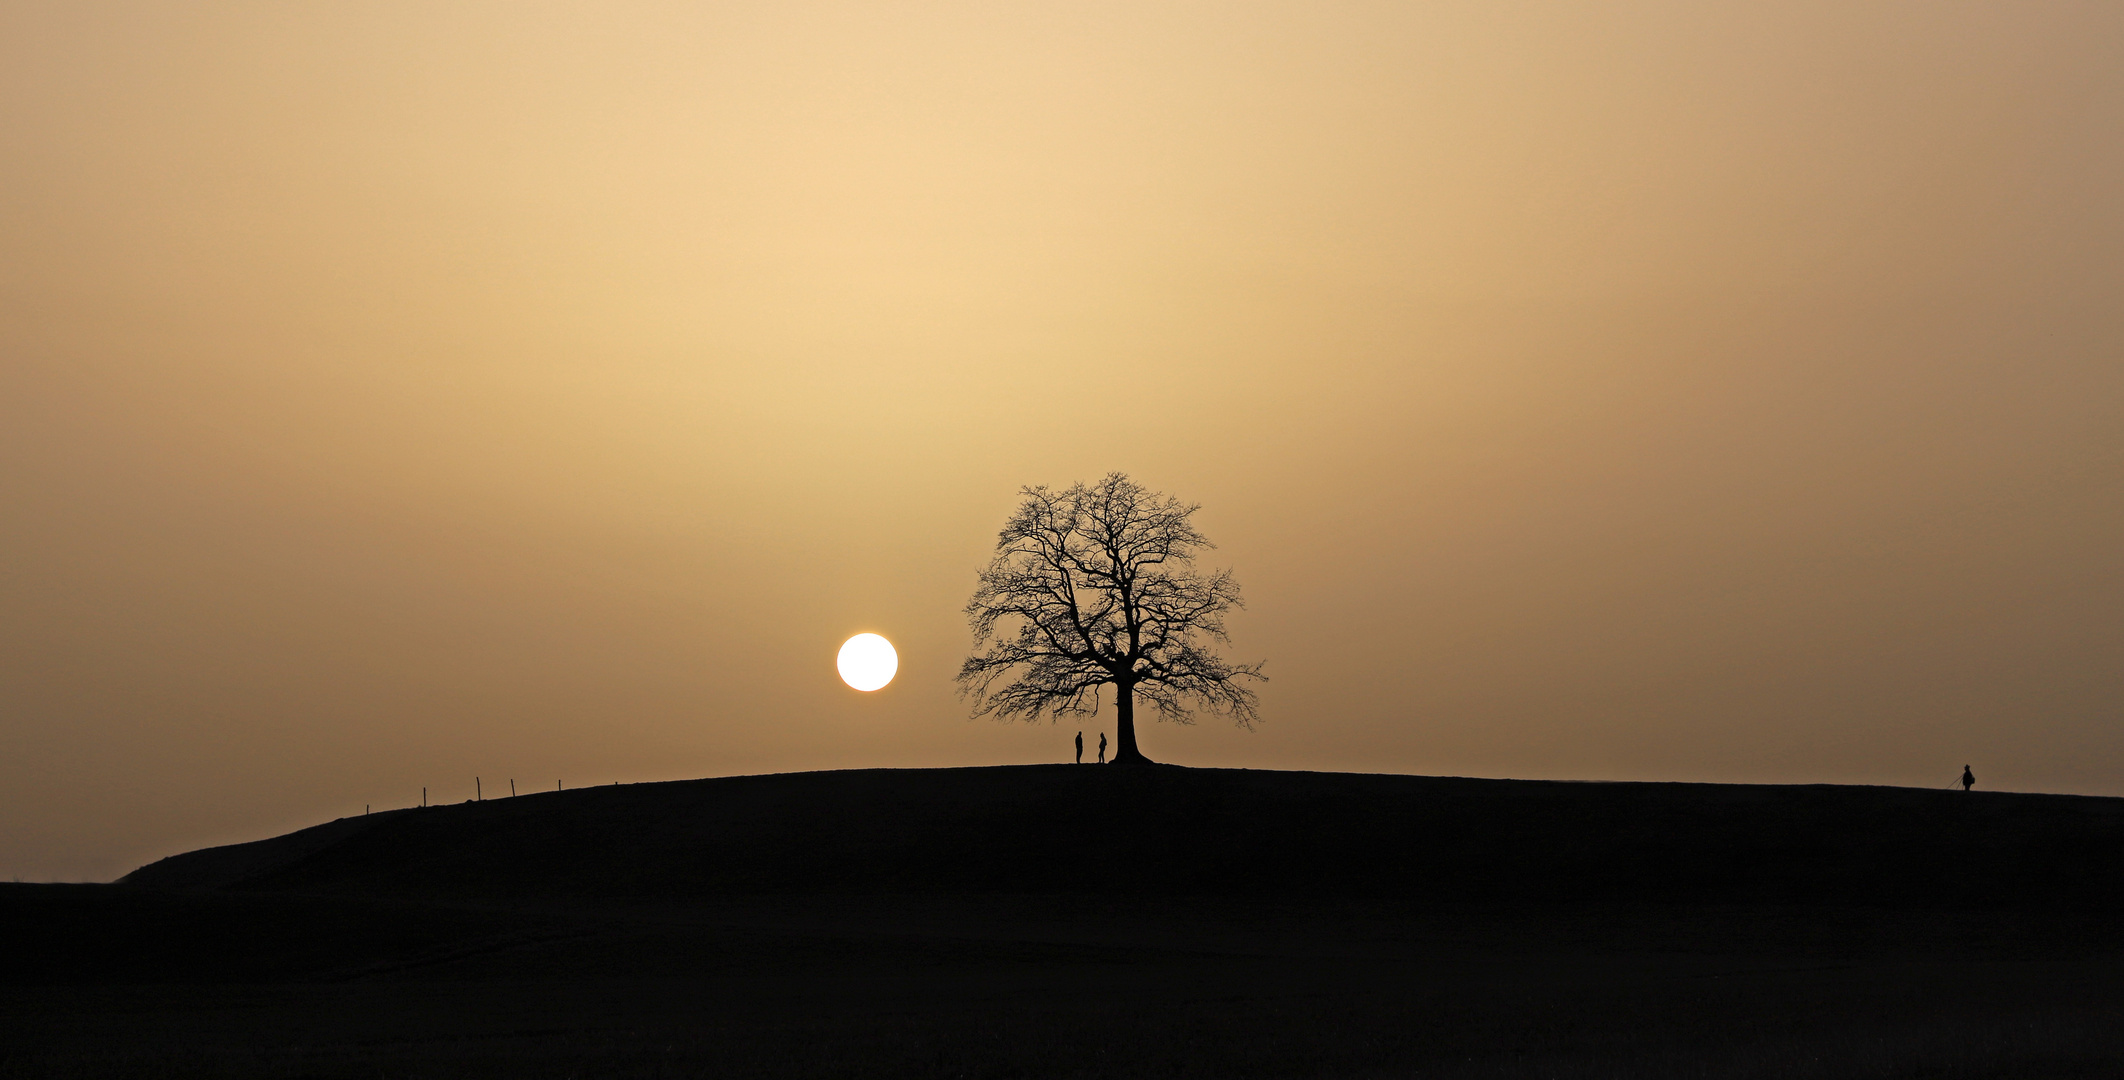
pixel 1097 586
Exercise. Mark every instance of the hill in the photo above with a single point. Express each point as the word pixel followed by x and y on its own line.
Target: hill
pixel 1069 922
pixel 1204 832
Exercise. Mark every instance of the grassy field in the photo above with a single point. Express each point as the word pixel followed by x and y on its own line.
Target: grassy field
pixel 996 923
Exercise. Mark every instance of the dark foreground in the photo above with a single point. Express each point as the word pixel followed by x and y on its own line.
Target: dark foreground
pixel 1102 922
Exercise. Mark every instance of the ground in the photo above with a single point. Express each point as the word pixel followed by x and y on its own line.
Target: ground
pixel 998 923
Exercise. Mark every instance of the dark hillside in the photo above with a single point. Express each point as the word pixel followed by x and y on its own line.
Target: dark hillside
pixel 1168 831
pixel 1071 922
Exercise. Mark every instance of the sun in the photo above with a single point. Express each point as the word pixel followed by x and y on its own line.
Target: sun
pixel 867 661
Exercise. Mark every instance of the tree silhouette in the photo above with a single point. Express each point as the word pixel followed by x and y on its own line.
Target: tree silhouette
pixel 1097 586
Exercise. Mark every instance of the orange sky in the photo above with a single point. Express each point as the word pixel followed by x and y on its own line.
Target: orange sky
pixel 392 394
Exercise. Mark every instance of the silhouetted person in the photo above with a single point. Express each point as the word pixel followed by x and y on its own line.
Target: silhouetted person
pixel 1968 778
pixel 1102 748
pixel 1080 748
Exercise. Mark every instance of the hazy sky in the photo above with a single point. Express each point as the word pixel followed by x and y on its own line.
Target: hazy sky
pixel 393 394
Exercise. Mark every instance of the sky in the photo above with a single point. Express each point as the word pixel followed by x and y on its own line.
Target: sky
pixel 398 394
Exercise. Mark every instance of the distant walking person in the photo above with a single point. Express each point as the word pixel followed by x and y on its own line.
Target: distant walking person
pixel 1102 748
pixel 1968 778
pixel 1080 748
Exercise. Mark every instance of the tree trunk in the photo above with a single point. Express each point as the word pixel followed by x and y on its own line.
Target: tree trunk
pixel 1125 752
